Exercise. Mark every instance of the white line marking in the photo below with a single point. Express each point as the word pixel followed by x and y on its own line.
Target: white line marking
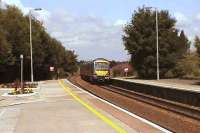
pixel 20 95
pixel 23 102
pixel 8 124
pixel 2 112
pixel 123 110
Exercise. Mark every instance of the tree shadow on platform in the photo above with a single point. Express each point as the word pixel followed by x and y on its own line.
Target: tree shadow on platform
pixel 196 83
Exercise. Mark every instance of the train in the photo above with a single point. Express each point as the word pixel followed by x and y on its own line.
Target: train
pixel 97 70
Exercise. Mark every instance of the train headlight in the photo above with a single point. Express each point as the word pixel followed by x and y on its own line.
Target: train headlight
pixel 94 75
pixel 107 77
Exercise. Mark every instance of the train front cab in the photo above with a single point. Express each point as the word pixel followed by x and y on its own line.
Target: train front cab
pixel 101 71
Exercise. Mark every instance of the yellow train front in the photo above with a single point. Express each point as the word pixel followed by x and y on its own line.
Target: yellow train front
pixel 97 70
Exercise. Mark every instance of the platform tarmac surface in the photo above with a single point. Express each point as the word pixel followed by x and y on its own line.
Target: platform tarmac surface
pixel 178 84
pixel 57 111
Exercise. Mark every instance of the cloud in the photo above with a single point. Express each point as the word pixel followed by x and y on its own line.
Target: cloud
pixel 190 24
pixel 89 36
pixel 182 20
pixel 41 15
pixel 120 22
pixel 16 3
pixel 180 16
pixel 198 17
pixel 13 2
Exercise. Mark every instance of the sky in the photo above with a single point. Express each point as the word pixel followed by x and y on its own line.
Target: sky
pixel 94 28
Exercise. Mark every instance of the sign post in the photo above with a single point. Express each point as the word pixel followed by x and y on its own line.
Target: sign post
pixel 126 71
pixel 52 69
pixel 21 58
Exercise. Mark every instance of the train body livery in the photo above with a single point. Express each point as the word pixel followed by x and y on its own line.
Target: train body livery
pixel 96 70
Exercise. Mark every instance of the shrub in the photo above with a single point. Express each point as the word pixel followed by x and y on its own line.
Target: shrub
pixel 188 67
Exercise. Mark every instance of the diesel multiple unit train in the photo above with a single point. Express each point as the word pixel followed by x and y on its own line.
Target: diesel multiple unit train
pixel 97 70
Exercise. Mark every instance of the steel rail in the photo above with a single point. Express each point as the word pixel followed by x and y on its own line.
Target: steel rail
pixel 186 110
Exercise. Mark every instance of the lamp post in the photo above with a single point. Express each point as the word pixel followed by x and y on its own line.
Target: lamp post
pixel 157 45
pixel 21 58
pixel 31 50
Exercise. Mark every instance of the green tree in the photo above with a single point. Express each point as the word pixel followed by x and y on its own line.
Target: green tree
pixel 140 41
pixel 14 40
pixel 189 66
pixel 197 44
pixel 5 51
pixel 184 44
pixel 113 63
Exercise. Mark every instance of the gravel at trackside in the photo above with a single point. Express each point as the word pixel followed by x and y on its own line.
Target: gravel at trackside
pixel 172 121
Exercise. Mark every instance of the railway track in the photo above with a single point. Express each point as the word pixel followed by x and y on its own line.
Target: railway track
pixel 186 110
pixel 174 116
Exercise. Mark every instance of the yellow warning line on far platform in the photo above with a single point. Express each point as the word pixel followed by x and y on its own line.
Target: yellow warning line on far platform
pixel 89 107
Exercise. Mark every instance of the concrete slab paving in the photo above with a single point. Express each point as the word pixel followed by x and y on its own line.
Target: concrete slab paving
pixel 55 111
pixel 62 117
pixel 8 119
pixel 120 116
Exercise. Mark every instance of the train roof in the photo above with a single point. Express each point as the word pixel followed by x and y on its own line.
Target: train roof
pixel 101 59
pixel 95 60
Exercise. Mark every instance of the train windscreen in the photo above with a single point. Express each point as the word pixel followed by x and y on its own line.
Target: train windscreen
pixel 101 66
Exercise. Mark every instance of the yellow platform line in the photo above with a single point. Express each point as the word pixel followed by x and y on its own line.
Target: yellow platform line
pixel 89 107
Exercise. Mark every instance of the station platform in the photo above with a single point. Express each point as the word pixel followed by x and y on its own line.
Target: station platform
pixel 63 107
pixel 185 85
